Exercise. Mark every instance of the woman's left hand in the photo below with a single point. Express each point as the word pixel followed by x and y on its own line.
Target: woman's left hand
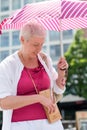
pixel 62 68
pixel 62 64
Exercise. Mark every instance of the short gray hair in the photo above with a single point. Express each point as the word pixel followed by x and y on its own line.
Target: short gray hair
pixel 32 28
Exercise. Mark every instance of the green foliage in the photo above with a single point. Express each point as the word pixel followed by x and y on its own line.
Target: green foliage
pixel 77 59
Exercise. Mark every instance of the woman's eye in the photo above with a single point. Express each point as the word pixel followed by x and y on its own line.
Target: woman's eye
pixel 36 45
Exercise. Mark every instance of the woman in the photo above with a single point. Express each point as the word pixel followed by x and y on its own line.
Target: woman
pixel 22 106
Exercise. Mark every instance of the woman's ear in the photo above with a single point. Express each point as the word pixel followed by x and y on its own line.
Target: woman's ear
pixel 22 39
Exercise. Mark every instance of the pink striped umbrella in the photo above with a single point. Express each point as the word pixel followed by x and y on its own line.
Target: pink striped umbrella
pixel 53 15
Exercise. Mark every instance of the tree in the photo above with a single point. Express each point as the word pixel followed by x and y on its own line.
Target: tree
pixel 77 73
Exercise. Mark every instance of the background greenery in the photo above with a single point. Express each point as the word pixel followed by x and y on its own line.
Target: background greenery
pixel 77 59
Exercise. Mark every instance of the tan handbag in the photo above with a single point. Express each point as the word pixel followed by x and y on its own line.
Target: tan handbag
pixel 52 117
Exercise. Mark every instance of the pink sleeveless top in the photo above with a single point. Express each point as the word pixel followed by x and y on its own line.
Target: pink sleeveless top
pixel 25 87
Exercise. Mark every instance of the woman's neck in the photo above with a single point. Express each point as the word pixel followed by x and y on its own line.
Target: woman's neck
pixel 28 61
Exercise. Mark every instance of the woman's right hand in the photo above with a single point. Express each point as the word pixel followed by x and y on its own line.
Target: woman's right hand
pixel 47 103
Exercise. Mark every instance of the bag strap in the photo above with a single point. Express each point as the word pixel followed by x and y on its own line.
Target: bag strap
pixel 29 75
pixel 44 57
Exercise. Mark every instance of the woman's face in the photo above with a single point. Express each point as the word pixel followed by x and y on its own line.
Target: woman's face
pixel 34 45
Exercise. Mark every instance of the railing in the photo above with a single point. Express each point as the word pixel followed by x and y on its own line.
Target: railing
pixel 69 124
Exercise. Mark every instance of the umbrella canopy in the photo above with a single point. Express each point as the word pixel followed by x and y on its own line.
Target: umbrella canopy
pixel 53 15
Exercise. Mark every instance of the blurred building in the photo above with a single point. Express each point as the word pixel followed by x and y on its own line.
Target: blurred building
pixel 9 40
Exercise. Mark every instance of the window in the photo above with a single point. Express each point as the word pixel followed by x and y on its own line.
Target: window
pixel 44 49
pixel 67 34
pixel 5 40
pixel 83 124
pixel 39 0
pixel 4 54
pixel 15 38
pixel 27 1
pixel 16 4
pixel 14 50
pixel 66 46
pixel 55 52
pixel 53 35
pixel 4 5
pixel 4 16
pixel 81 120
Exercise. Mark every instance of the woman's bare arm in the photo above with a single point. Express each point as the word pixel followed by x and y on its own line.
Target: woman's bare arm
pixel 14 102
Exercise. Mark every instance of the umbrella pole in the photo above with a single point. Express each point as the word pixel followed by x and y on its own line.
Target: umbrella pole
pixel 62 51
pixel 61 43
pixel 61 39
